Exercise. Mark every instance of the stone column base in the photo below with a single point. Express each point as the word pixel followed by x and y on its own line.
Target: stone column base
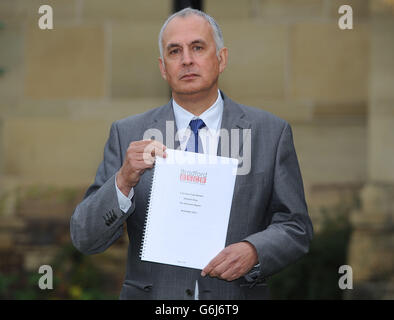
pixel 371 249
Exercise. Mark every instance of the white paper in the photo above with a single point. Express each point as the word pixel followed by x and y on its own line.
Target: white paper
pixel 189 208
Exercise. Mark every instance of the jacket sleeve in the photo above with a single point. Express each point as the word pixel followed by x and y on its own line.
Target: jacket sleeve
pixel 97 221
pixel 288 235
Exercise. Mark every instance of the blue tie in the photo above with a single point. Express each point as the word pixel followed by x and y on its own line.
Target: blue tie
pixel 193 143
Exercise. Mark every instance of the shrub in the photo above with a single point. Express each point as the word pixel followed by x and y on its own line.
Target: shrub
pixel 315 276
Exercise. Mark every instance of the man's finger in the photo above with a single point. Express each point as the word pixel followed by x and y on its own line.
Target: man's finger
pixel 158 149
pixel 148 159
pixel 144 164
pixel 229 275
pixel 212 264
pixel 149 153
pixel 220 269
pixel 141 145
pixel 154 149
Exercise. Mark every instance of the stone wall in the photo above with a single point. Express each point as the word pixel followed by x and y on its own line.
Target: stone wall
pixel 371 251
pixel 62 89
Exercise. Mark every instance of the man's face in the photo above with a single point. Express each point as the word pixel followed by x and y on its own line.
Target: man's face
pixel 189 52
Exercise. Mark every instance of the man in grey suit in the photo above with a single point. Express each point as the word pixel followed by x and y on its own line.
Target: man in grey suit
pixel 269 226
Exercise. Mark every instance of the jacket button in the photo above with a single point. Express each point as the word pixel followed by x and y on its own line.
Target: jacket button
pixel 189 292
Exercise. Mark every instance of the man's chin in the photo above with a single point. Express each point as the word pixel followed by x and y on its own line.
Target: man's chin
pixel 188 92
pixel 191 90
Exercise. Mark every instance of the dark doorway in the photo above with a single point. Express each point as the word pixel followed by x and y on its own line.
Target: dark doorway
pixel 181 4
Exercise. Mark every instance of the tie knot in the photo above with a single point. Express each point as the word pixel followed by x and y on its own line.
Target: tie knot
pixel 196 124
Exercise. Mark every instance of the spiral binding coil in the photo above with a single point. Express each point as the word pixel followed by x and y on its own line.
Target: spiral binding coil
pixel 147 217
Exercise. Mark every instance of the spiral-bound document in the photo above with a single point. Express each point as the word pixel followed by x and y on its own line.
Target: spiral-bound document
pixel 189 208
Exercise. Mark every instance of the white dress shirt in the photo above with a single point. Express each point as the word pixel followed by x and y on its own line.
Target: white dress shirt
pixel 209 135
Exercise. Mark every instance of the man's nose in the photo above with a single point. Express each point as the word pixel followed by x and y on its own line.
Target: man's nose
pixel 187 58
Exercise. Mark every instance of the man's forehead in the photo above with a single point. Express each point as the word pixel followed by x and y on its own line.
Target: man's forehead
pixel 192 26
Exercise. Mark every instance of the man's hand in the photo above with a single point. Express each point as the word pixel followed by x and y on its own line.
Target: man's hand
pixel 140 156
pixel 232 262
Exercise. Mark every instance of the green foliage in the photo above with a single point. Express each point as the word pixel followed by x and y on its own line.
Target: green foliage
pixel 75 277
pixel 78 278
pixel 21 286
pixel 315 276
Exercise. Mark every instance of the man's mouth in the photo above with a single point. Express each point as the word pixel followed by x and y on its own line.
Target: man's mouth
pixel 189 76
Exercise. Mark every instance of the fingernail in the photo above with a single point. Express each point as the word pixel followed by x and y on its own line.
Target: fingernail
pixel 203 274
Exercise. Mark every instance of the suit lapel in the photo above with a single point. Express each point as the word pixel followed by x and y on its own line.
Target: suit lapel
pixel 164 121
pixel 233 118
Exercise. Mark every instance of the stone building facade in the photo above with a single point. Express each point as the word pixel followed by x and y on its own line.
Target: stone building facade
pixel 61 89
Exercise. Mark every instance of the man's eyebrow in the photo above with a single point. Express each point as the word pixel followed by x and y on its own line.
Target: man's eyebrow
pixel 174 44
pixel 198 41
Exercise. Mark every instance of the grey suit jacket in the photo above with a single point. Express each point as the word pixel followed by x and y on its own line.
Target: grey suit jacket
pixel 268 209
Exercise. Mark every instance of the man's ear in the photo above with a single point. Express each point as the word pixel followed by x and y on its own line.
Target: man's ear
pixel 223 54
pixel 162 69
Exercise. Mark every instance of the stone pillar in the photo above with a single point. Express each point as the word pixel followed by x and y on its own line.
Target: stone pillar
pixel 371 251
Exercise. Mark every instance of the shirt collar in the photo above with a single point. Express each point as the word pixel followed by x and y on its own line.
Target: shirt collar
pixel 212 116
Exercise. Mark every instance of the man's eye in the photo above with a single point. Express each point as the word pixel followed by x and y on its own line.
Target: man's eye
pixel 175 51
pixel 197 48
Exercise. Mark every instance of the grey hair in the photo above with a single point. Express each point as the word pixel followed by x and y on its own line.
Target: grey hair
pixel 217 32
